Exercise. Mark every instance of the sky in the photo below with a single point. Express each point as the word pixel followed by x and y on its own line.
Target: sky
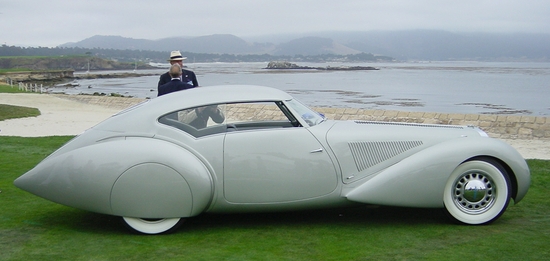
pixel 49 23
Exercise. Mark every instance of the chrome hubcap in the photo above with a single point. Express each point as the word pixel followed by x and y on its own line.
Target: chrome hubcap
pixel 474 193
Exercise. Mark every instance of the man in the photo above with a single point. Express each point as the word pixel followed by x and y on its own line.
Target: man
pixel 187 76
pixel 175 84
pixel 199 117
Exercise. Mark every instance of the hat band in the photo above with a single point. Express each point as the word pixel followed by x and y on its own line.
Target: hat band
pixel 176 57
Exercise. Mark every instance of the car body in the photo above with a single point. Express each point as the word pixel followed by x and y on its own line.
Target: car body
pixel 148 165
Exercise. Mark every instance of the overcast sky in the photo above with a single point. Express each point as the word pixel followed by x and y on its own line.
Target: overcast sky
pixel 54 22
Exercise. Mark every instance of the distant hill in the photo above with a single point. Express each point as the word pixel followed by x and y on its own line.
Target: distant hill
pixel 218 43
pixel 112 42
pixel 313 46
pixel 442 45
pixel 403 45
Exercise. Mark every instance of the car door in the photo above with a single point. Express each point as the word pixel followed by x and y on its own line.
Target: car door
pixel 269 161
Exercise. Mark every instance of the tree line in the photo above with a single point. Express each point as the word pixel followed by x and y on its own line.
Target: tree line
pixel 161 57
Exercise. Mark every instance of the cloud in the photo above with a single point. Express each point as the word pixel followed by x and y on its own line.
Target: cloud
pixel 54 22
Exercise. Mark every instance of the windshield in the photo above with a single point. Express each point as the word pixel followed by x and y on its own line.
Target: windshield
pixel 311 117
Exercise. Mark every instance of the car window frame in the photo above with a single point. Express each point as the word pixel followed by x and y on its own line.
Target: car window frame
pixel 170 119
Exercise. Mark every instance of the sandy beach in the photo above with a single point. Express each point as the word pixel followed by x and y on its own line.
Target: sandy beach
pixel 61 116
pixel 58 116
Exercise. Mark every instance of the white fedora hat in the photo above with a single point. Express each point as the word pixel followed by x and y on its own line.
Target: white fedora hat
pixel 176 56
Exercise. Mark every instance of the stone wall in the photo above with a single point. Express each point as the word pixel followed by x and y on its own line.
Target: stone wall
pixel 105 101
pixel 497 126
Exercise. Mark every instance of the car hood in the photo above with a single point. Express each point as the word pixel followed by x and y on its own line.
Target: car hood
pixel 363 148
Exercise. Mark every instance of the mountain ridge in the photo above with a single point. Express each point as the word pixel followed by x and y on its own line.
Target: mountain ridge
pixel 403 45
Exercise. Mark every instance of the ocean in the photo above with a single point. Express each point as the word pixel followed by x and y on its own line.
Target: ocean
pixel 514 88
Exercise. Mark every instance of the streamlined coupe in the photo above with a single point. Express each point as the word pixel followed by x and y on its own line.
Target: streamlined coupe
pixel 251 148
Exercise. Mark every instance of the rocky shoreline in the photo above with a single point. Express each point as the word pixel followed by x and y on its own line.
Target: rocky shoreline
pixel 36 76
pixel 292 66
pixel 110 75
pixel 59 76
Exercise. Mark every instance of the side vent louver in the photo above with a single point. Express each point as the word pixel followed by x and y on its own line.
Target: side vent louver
pixel 368 154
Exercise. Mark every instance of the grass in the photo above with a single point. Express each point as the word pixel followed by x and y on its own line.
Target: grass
pixel 14 70
pixel 9 89
pixel 13 112
pixel 32 228
pixel 32 57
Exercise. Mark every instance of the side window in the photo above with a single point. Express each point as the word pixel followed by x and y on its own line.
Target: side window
pixel 198 121
pixel 258 115
pixel 219 118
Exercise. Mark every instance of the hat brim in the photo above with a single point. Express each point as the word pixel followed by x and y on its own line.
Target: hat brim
pixel 178 59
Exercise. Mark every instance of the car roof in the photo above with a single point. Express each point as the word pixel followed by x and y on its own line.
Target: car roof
pixel 205 95
pixel 135 118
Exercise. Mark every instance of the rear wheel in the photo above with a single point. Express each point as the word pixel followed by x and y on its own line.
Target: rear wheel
pixel 153 226
pixel 477 192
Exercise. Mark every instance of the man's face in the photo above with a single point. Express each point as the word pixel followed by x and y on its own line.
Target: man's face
pixel 178 62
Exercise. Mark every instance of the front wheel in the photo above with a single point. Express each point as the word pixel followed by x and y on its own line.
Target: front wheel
pixel 477 192
pixel 153 226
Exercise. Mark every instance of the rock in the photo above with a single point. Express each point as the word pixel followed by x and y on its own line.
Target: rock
pixel 282 65
pixel 288 65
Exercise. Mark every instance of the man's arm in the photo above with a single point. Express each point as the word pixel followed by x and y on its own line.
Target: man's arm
pixel 164 78
pixel 217 115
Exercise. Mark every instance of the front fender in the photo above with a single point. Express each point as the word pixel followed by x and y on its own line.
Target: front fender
pixel 419 180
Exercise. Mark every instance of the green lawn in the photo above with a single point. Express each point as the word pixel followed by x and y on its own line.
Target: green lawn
pixel 13 70
pixel 32 228
pixel 12 112
pixel 9 89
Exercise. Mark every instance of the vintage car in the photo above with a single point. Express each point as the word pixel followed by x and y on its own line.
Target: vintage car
pixel 251 148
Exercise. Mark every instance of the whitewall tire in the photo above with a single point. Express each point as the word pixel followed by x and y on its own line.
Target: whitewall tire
pixel 477 192
pixel 152 226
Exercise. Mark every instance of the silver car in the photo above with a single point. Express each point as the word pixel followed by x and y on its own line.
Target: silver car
pixel 252 148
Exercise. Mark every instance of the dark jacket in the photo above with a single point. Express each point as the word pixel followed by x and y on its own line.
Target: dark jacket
pixel 173 86
pixel 187 77
pixel 198 117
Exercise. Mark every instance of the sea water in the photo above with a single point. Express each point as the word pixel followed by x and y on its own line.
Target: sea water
pixel 514 88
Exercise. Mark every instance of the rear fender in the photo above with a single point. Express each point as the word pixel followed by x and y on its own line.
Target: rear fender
pixel 135 177
pixel 169 181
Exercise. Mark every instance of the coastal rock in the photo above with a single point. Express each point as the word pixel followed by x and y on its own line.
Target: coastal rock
pixel 284 65
pixel 287 65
